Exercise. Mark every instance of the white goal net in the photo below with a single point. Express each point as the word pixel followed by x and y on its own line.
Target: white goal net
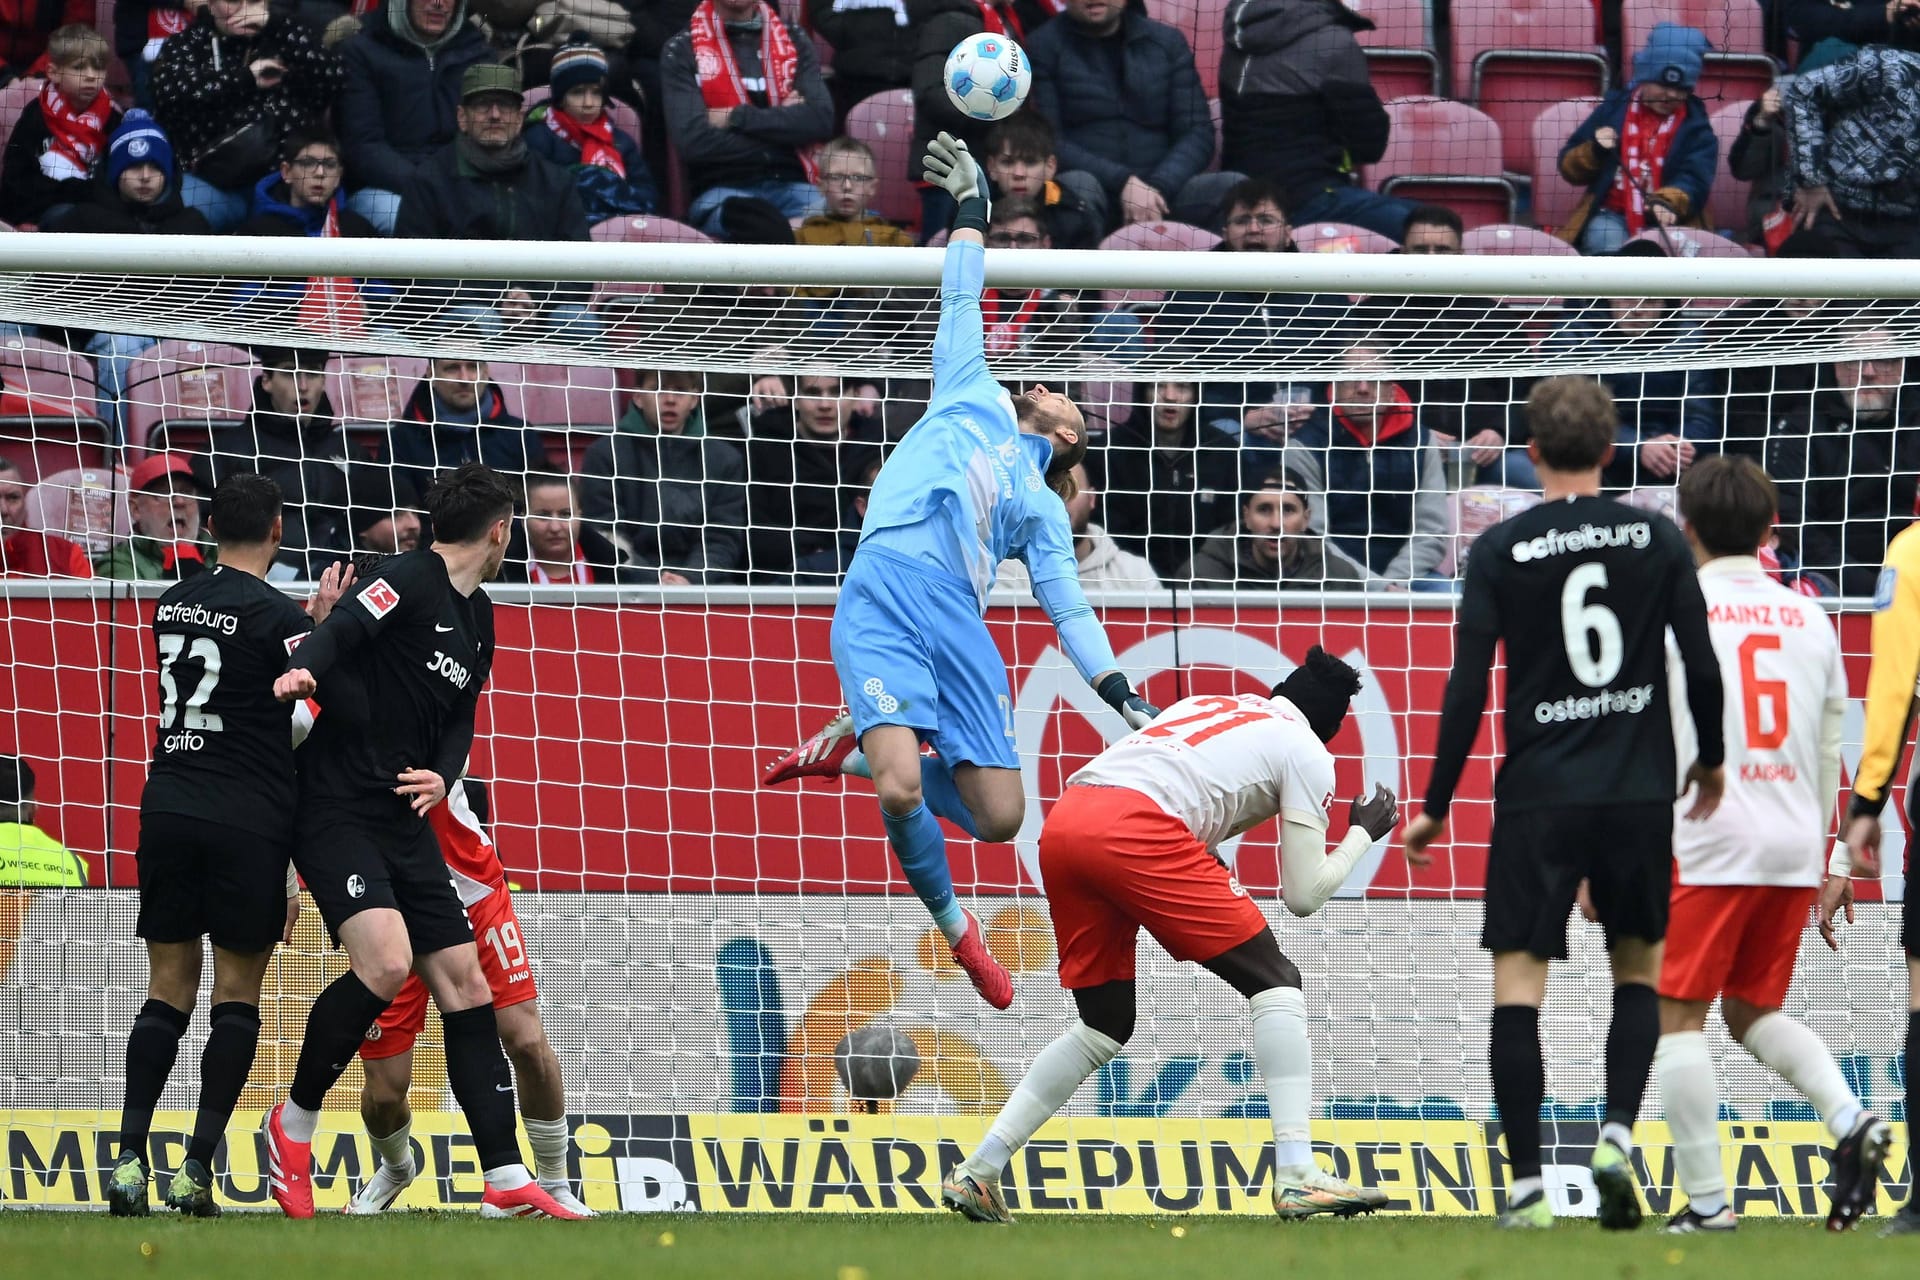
pixel 1291 450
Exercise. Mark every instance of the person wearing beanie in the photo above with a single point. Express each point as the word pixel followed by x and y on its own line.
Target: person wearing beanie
pixel 573 129
pixel 1647 154
pixel 384 510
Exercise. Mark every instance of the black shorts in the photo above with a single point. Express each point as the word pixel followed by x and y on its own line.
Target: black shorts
pixel 1909 926
pixel 351 866
pixel 205 879
pixel 1539 857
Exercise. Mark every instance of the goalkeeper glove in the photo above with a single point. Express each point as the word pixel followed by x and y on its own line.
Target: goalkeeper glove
pixel 950 166
pixel 1118 694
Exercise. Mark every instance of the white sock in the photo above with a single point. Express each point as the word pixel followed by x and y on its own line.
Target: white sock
pixel 297 1122
pixel 1805 1062
pixel 1684 1068
pixel 1061 1068
pixel 1524 1189
pixel 394 1149
pixel 1285 1055
pixel 508 1177
pixel 1619 1135
pixel 548 1138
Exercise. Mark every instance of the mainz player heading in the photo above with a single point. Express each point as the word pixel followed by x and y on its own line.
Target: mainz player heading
pixel 1581 590
pixel 1747 876
pixel 1131 844
pixel 981 478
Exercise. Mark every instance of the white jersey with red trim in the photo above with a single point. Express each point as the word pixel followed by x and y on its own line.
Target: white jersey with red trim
pixel 1223 765
pixel 470 856
pixel 1780 663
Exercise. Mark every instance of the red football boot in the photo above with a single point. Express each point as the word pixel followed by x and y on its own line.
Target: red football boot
pixel 988 976
pixel 819 756
pixel 529 1201
pixel 289 1167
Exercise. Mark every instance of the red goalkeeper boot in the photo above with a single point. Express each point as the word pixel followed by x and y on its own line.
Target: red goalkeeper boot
pixel 988 976
pixel 530 1201
pixel 289 1167
pixel 819 756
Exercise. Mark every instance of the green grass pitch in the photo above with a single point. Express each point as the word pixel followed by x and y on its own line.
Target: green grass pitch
pixel 59 1246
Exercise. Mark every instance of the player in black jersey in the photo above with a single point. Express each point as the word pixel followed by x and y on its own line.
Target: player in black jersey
pixel 1582 591
pixel 216 833
pixel 398 666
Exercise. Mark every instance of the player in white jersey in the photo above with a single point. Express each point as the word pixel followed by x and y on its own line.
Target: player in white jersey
pixel 1130 844
pixel 1746 877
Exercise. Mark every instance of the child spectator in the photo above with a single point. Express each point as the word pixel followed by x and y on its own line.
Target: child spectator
pixel 303 198
pixel 848 175
pixel 1021 160
pixel 574 131
pixel 1647 153
pixel 60 140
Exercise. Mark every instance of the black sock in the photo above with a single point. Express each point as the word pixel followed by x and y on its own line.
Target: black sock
pixel 1631 1039
pixel 224 1066
pixel 152 1046
pixel 1519 1083
pixel 1913 1095
pixel 335 1028
pixel 482 1083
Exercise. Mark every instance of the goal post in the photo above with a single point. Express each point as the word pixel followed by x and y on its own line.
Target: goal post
pixel 704 946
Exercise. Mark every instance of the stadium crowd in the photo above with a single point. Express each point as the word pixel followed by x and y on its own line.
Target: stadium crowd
pixel 484 119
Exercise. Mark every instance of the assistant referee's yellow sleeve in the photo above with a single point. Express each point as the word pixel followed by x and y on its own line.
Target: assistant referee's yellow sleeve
pixel 1896 668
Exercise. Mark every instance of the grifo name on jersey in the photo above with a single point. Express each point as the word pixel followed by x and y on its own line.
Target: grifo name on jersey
pixel 197 615
pixel 1588 537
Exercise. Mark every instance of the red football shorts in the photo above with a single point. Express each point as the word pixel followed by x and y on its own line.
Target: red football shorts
pixel 1114 863
pixel 503 958
pixel 1740 939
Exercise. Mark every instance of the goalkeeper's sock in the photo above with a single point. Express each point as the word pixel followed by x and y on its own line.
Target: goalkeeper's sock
pixel 856 765
pixel 224 1066
pixel 1631 1038
pixel 921 849
pixel 1803 1061
pixel 482 1083
pixel 548 1138
pixel 393 1149
pixel 1061 1068
pixel 1285 1055
pixel 1519 1083
pixel 1912 1060
pixel 152 1046
pixel 943 797
pixel 1688 1089
pixel 336 1025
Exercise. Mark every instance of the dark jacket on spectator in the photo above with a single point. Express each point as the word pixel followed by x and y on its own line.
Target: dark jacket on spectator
pixel 1856 131
pixel 1384 500
pixel 422 444
pixel 763 143
pixel 1685 179
pixel 397 104
pixel 203 89
pixel 26 24
pixel 107 211
pixel 794 487
pixel 1151 120
pixel 1666 402
pixel 1157 499
pixel 604 194
pixel 940 25
pixel 1296 103
pixel 275 215
pixel 678 501
pixel 1307 563
pixel 451 200
pixel 1846 486
pixel 872 43
pixel 600 556
pixel 1759 156
pixel 25 192
pixel 1480 329
pixel 306 459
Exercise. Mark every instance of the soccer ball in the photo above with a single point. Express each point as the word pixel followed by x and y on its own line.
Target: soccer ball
pixel 988 76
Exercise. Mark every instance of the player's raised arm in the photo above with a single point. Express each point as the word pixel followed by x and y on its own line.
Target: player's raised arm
pixel 1706 698
pixel 959 348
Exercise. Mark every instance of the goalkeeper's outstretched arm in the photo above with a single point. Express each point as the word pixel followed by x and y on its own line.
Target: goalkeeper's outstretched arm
pixel 959 349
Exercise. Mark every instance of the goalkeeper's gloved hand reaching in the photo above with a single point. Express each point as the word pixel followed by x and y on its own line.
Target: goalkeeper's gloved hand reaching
pixel 951 167
pixel 1118 694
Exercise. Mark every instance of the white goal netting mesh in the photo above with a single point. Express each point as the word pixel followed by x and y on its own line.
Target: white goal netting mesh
pixel 1288 464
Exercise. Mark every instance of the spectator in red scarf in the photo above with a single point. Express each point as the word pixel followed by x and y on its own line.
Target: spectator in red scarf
pixel 551 544
pixel 303 198
pixel 60 141
pixel 29 553
pixel 1047 321
pixel 163 501
pixel 573 130
pixel 27 26
pixel 1647 155
pixel 745 105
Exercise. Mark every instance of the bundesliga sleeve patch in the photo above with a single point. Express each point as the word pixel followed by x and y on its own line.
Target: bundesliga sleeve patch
pixel 293 642
pixel 1883 589
pixel 379 598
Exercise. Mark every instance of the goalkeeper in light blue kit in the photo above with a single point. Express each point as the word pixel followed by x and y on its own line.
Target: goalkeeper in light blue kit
pixel 980 478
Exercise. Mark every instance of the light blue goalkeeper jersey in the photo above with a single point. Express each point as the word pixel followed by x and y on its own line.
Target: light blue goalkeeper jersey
pixel 966 489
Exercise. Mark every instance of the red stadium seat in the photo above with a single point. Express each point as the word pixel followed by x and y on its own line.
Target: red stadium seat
pixel 640 231
pixel 1687 242
pixel 1156 237
pixel 1400 57
pixel 1553 196
pixel 1512 58
pixel 1727 202
pixel 571 397
pixel 372 389
pixel 177 392
pixel 49 421
pixel 1445 153
pixel 1105 404
pixel 1204 24
pixel 1340 237
pixel 1510 238
pixel 1738 70
pixel 511 378
pixel 86 504
pixel 885 123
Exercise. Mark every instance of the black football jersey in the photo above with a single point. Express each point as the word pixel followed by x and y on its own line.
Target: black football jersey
pixel 1582 592
pixel 409 655
pixel 223 751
